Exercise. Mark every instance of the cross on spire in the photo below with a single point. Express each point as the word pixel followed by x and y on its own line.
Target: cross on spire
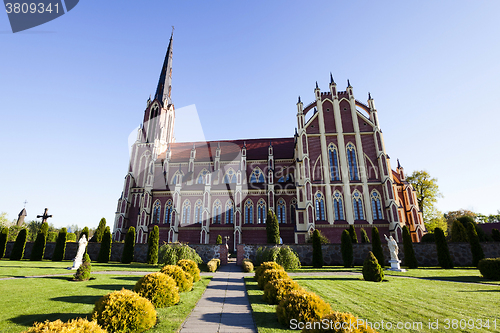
pixel 45 215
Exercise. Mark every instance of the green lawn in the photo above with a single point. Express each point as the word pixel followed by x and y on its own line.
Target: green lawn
pixel 325 269
pixel 462 274
pixel 14 268
pixel 25 301
pixel 396 300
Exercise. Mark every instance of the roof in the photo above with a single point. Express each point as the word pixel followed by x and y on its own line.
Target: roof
pixel 257 149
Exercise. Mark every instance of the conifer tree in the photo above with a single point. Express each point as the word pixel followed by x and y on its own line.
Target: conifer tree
pixel 377 247
pixel 364 237
pixel 41 240
pixel 458 232
pixel 4 236
pixel 346 248
pixel 410 259
pixel 18 249
pixel 317 252
pixel 219 239
pixel 495 234
pixel 475 246
pixel 372 271
pixel 128 249
pixel 443 252
pixel 352 233
pixel 99 233
pixel 272 228
pixel 60 248
pixel 105 249
pixel 85 231
pixel 153 240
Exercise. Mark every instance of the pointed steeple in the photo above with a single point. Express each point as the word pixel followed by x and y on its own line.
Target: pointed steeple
pixel 165 82
pixel 317 85
pixel 299 101
pixel 348 83
pixel 399 165
pixel 370 96
pixel 331 78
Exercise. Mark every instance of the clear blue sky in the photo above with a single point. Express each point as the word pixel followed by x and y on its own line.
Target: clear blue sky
pixel 72 90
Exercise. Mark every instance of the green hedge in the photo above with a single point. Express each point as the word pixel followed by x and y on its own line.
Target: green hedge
pixel 39 246
pixel 458 232
pixel 364 237
pixel 443 252
pixel 105 249
pixel 346 249
pixel 272 228
pixel 475 246
pixel 490 268
pixel 60 248
pixel 317 252
pixel 4 236
pixel 18 249
pixel 128 248
pixel 410 259
pixel 377 247
pixel 153 240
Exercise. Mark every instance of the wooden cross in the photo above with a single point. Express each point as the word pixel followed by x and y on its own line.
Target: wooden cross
pixel 45 216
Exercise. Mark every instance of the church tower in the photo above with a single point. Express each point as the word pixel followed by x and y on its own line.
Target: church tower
pixel 153 138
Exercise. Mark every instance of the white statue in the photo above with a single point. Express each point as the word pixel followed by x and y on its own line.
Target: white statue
pixel 82 245
pixel 393 247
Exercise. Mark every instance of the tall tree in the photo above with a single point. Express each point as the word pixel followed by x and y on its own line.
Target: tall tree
pixel 60 248
pixel 427 190
pixel 346 249
pixel 272 228
pixel 100 230
pixel 4 235
pixel 451 216
pixel 435 219
pixel 41 240
pixel 153 240
pixel 352 233
pixel 128 248
pixel 105 249
pixel 410 259
pixel 377 246
pixel 4 220
pixel 317 252
pixel 17 252
pixel 475 246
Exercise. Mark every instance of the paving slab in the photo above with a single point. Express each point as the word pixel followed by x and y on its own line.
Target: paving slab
pixel 224 306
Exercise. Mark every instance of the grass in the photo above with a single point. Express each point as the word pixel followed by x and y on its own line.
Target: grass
pixel 28 300
pixel 396 300
pixel 23 268
pixel 325 269
pixel 462 274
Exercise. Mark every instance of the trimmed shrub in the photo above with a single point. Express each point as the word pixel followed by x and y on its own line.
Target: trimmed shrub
pixel 4 236
pixel 272 228
pixel 495 234
pixel 490 268
pixel 183 279
pixel 410 259
pixel 170 254
pixel 161 289
pixel 465 220
pixel 317 252
pixel 153 240
pixel 212 266
pixel 39 246
pixel 352 233
pixel 364 237
pixel 101 229
pixel 18 249
pixel 124 311
pixel 302 306
pixel 377 247
pixel 217 260
pixel 105 249
pixel 323 238
pixel 475 246
pixel 443 252
pixel 247 265
pixel 372 271
pixel 60 248
pixel 52 237
pixel 275 290
pixel 335 320
pixel 428 238
pixel 266 254
pixel 287 258
pixel 346 249
pixel 458 232
pixel 191 267
pixel 219 240
pixel 79 325
pixel 83 272
pixel 271 274
pixel 85 231
pixel 71 237
pixel 128 248
pixel 265 266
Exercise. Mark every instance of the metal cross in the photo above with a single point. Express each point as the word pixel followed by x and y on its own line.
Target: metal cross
pixel 45 216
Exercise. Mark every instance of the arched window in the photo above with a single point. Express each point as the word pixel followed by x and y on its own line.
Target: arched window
pixel 229 212
pixel 376 205
pixel 320 206
pixel 293 207
pixel 230 177
pixel 177 178
pixel 353 164
pixel 168 211
pixel 156 212
pixel 249 211
pixel 261 208
pixel 201 176
pixel 217 211
pixel 186 211
pixel 334 162
pixel 197 211
pixel 338 206
pixel 281 211
pixel 256 176
pixel 357 204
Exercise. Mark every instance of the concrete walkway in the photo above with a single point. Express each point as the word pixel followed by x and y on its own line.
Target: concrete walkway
pixel 224 306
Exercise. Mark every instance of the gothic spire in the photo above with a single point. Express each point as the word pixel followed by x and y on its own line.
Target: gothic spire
pixel 165 82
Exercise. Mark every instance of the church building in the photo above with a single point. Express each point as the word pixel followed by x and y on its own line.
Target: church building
pixel 332 173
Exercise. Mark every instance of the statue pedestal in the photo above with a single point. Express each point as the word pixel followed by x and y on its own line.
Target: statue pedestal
pixel 395 266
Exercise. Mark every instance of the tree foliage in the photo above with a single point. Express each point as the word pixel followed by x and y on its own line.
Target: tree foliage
pixel 153 240
pixel 352 233
pixel 4 220
pixel 272 228
pixel 18 249
pixel 317 252
pixel 99 232
pixel 475 246
pixel 451 216
pixel 443 252
pixel 458 232
pixel 377 246
pixel 346 249
pixel 4 235
pixel 60 248
pixel 435 219
pixel 128 248
pixel 85 231
pixel 410 259
pixel 372 271
pixel 41 240
pixel 105 249
pixel 364 237
pixel 426 188
pixel 219 240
